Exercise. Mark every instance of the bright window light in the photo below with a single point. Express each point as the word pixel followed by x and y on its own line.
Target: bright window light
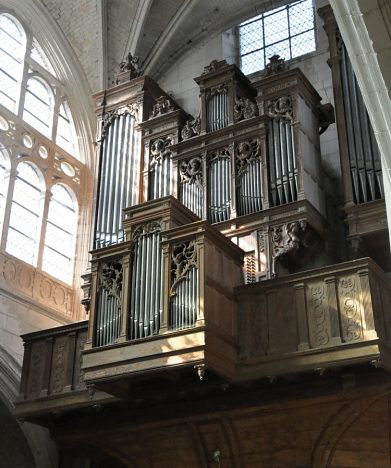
pixel 60 232
pixel 288 32
pixel 24 226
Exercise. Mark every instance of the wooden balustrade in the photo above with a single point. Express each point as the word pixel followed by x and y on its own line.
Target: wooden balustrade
pixel 52 376
pixel 314 320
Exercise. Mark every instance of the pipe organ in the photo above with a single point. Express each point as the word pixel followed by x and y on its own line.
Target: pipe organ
pixel 363 192
pixel 364 155
pixel 248 164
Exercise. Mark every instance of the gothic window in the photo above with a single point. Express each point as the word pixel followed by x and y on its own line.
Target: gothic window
pixel 12 52
pixel 60 233
pixel 41 176
pixel 288 31
pixel 38 106
pixel 26 207
pixel 4 170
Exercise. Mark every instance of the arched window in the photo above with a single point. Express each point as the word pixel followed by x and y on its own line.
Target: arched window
pixel 24 225
pixel 12 52
pixel 65 130
pixel 37 226
pixel 4 169
pixel 38 106
pixel 60 233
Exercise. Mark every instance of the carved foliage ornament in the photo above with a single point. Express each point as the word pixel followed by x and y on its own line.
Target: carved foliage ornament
pixel 191 171
pixel 192 128
pixel 245 153
pixel 222 88
pixel 158 151
pixel 286 240
pixel 146 229
pixel 281 107
pixel 214 65
pixel 130 64
pixel 244 109
pixel 218 155
pixel 111 279
pixel 162 106
pixel 276 65
pixel 183 258
pixel 109 117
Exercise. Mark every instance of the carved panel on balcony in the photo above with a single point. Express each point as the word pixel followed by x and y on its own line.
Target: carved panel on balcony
pixel 58 369
pixel 350 308
pixel 36 369
pixel 318 319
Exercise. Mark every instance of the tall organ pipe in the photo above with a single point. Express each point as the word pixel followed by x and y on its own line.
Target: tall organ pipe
pixel 146 300
pixel 118 178
pixel 364 155
pixel 282 170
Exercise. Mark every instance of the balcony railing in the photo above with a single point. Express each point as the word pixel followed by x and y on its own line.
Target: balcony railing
pixel 52 376
pixel 314 320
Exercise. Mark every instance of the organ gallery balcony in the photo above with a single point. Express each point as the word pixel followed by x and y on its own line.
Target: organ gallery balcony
pixel 325 318
pixel 158 299
pixel 193 319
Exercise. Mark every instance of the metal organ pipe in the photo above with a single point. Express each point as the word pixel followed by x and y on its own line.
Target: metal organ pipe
pixel 364 156
pixel 118 178
pixel 282 170
pixel 146 300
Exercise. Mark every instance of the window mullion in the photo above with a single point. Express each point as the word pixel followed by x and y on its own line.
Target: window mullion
pixel 56 112
pixel 23 84
pixel 48 196
pixel 8 203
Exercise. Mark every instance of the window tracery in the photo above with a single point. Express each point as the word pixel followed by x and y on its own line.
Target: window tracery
pixel 41 176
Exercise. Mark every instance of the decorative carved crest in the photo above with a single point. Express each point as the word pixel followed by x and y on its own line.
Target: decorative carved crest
pixel 281 107
pixel 158 151
pixel 276 65
pixel 222 88
pixel 192 128
pixel 219 154
pixel 108 117
pixel 146 229
pixel 131 64
pixel 183 258
pixel 245 153
pixel 191 171
pixel 214 65
pixel 162 106
pixel 244 109
pixel 111 279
